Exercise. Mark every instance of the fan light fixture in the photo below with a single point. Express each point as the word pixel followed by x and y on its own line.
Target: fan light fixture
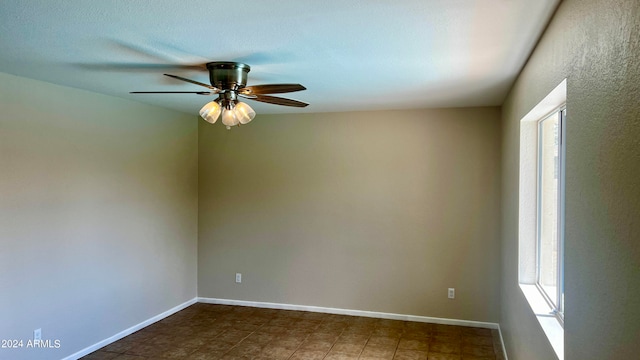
pixel 233 112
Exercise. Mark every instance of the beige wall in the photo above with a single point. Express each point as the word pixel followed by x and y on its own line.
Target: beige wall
pixel 98 211
pixel 596 46
pixel 379 211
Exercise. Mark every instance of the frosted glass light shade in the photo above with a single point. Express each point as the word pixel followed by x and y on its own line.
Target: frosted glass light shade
pixel 244 113
pixel 210 112
pixel 229 118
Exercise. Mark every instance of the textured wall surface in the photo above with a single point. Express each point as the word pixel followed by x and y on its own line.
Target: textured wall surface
pixel 596 46
pixel 98 211
pixel 379 211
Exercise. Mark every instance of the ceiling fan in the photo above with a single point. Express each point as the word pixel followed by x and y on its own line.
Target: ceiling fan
pixel 229 82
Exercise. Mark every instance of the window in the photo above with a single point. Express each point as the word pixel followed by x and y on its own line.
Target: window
pixel 549 247
pixel 541 213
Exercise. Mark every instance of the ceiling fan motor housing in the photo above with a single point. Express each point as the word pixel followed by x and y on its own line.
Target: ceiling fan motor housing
pixel 228 75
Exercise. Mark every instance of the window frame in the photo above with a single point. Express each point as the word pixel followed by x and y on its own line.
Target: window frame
pixel 551 323
pixel 555 301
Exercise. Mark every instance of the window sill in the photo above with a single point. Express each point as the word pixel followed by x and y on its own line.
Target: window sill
pixel 550 325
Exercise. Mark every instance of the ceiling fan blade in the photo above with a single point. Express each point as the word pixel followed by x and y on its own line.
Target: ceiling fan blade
pixel 271 89
pixel 277 100
pixel 215 89
pixel 138 67
pixel 173 92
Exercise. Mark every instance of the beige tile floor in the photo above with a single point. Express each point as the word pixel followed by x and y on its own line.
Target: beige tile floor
pixel 205 331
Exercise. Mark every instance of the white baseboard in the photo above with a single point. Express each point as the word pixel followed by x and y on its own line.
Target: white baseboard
pixel 371 314
pixel 129 331
pixel 504 349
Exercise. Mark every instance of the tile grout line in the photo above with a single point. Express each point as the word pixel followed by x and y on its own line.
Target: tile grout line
pixel 365 345
pixel 398 344
pixel 333 344
pixel 299 345
pixel 244 338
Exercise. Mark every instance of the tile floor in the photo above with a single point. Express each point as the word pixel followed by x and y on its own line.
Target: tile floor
pixel 206 331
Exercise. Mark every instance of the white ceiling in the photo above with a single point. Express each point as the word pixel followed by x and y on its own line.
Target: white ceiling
pixel 350 54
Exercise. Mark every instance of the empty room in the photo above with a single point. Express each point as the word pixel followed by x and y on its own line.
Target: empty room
pixel 410 179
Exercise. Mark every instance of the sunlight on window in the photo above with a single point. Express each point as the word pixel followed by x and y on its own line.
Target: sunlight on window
pixel 548 183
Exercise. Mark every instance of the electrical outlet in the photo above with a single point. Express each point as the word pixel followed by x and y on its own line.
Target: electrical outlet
pixel 452 293
pixel 238 278
pixel 37 334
